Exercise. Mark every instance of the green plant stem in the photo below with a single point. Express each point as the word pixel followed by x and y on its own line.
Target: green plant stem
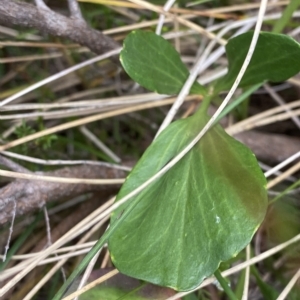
pixel 225 285
pixel 207 100
pixel 94 250
pixel 286 16
pixel 294 185
pixel 205 104
pixel 238 101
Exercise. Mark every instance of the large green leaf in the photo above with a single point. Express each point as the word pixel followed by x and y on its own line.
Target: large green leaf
pixel 201 212
pixel 153 62
pixel 276 58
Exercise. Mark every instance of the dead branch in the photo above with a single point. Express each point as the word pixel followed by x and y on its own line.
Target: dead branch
pixel 47 21
pixel 30 195
pixel 75 11
pixel 12 165
pixel 270 148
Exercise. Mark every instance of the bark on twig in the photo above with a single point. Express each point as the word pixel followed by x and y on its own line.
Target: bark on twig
pixel 270 148
pixel 12 165
pixel 30 195
pixel 27 15
pixel 75 10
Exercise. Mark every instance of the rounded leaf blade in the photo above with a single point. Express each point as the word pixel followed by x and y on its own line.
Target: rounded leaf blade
pixel 276 58
pixel 153 63
pixel 201 212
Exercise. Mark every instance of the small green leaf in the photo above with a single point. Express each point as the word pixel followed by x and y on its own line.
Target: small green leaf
pixel 276 58
pixel 201 212
pixel 286 16
pixel 267 290
pixel 239 288
pixel 153 63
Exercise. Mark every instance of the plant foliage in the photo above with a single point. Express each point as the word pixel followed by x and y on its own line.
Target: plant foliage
pixel 276 58
pixel 154 63
pixel 206 209
pixel 201 212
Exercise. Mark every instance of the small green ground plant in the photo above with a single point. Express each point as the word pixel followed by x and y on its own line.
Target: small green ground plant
pixel 206 208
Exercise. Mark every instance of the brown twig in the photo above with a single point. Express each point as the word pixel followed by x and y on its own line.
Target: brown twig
pixel 31 195
pixel 12 165
pixel 27 15
pixel 59 230
pixel 75 10
pixel 271 148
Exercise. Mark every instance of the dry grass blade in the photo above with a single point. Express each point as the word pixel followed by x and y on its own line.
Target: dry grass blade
pixel 49 275
pixel 261 118
pixel 179 19
pixel 284 175
pixel 290 285
pixel 247 276
pixel 60 179
pixel 59 75
pixel 79 90
pixel 86 120
pixel 75 231
pixel 92 284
